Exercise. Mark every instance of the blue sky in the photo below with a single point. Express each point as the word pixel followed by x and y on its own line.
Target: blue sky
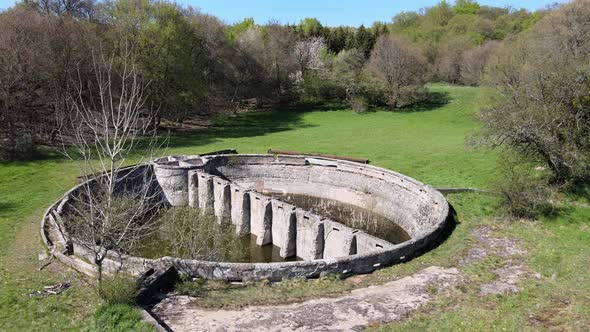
pixel 329 12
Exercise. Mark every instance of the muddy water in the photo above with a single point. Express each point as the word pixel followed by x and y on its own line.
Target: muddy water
pixel 246 252
pixel 347 214
pixel 243 249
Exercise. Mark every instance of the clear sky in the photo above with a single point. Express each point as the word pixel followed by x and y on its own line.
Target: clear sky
pixel 329 12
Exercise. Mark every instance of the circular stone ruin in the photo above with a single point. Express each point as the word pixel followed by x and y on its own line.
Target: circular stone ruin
pixel 275 198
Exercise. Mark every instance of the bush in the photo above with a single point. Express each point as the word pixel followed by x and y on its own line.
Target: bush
pixel 190 233
pixel 525 191
pixel 117 317
pixel 359 104
pixel 399 66
pixel 540 103
pixel 195 287
pixel 119 289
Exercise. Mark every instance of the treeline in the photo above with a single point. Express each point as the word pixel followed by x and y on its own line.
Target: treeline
pixel 539 83
pixel 194 64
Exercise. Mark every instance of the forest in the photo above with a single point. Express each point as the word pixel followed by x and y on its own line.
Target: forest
pixel 194 64
pixel 57 55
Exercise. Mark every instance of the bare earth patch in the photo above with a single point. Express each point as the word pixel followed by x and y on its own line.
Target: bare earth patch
pixel 507 282
pixel 373 305
pixel 513 270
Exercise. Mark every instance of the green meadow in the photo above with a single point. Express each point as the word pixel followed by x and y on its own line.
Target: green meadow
pixel 427 142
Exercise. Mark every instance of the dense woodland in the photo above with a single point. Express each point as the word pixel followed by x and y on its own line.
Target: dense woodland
pixel 192 64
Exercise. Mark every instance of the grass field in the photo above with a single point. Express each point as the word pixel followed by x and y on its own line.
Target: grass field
pixel 427 143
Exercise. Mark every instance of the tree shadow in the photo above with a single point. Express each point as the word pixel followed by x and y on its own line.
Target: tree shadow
pixel 7 207
pixel 430 101
pixel 41 153
pixel 581 191
pixel 246 125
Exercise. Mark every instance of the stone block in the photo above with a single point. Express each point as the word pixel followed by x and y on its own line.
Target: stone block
pixel 284 228
pixel 261 218
pixel 240 209
pixel 310 236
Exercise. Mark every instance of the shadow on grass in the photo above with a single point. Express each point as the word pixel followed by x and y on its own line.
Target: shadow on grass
pixel 41 153
pixel 6 207
pixel 432 100
pixel 246 125
pixel 581 192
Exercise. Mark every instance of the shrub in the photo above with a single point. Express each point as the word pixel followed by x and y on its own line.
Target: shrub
pixel 115 318
pixel 399 67
pixel 359 104
pixel 540 103
pixel 525 191
pixel 118 289
pixel 192 234
pixel 195 287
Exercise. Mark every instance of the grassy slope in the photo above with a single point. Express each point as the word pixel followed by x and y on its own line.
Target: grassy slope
pixel 427 145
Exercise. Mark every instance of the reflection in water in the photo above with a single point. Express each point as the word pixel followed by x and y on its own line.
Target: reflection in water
pixel 347 214
pixel 185 232
pixel 243 249
pixel 262 254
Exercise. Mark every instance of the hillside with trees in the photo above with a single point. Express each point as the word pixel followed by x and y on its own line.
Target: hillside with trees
pixel 194 66
pixel 197 65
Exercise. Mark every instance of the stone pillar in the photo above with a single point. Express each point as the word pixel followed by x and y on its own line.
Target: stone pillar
pixel 205 190
pixel 222 200
pixel 366 243
pixel 339 240
pixel 193 188
pixel 240 209
pixel 310 236
pixel 261 218
pixel 174 183
pixel 284 228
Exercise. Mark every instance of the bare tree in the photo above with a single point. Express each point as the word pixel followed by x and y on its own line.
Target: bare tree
pixel 114 210
pixel 399 66
pixel 474 61
pixel 81 9
pixel 278 58
pixel 24 55
pixel 38 56
pixel 450 60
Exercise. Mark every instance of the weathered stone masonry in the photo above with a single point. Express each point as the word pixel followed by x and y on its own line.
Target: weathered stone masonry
pixel 232 188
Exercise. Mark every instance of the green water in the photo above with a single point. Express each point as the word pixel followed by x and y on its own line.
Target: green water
pixel 242 250
pixel 213 242
pixel 349 215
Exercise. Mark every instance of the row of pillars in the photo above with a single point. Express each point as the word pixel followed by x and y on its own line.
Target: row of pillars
pixel 294 231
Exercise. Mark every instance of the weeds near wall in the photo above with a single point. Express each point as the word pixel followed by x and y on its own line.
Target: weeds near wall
pixel 187 232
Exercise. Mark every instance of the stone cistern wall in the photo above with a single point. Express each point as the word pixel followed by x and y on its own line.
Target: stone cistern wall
pixel 236 187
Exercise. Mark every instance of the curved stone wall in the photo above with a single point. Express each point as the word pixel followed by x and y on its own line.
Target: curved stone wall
pixel 232 187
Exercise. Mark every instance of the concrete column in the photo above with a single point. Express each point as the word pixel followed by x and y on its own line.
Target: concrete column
pixel 193 188
pixel 261 218
pixel 205 190
pixel 240 209
pixel 366 243
pixel 339 240
pixel 310 236
pixel 222 200
pixel 174 183
pixel 284 227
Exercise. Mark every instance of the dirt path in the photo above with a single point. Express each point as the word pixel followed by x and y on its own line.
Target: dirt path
pixel 378 304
